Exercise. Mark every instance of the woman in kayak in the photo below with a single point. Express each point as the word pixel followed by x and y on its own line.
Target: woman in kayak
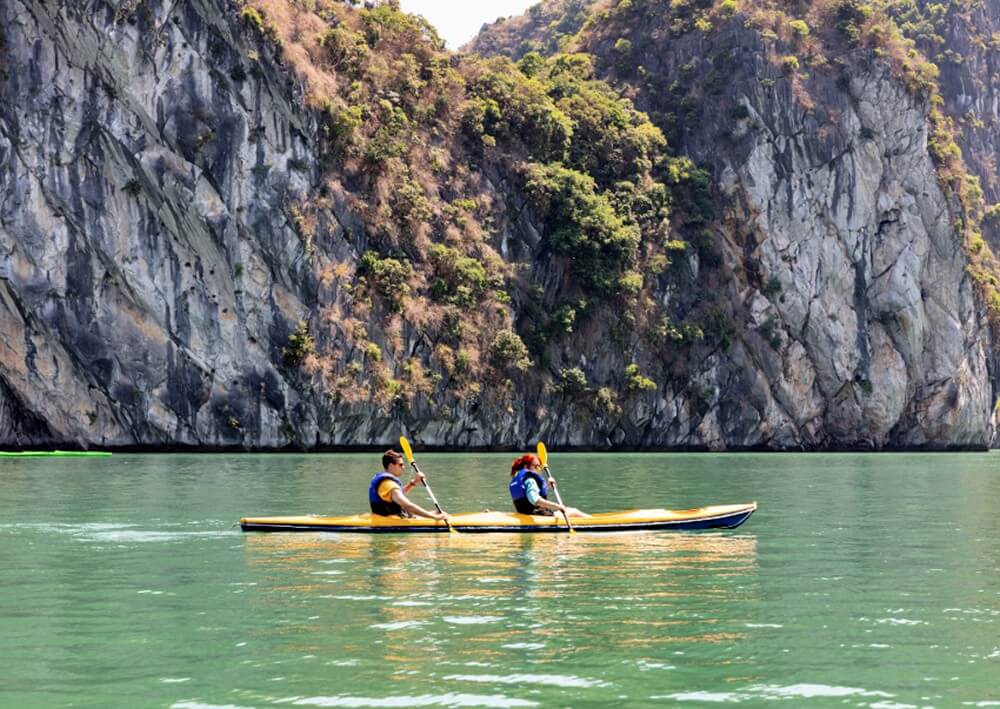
pixel 387 494
pixel 530 491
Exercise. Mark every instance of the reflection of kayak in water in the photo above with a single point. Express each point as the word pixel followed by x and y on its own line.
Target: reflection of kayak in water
pixel 54 454
pixel 713 517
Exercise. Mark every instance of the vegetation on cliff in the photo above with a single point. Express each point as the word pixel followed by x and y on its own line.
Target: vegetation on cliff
pixel 442 156
pixel 803 40
pixel 544 28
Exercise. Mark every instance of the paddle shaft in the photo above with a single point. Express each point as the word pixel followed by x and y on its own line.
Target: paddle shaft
pixel 423 480
pixel 559 497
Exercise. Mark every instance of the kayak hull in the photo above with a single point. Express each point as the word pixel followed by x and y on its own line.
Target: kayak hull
pixel 712 517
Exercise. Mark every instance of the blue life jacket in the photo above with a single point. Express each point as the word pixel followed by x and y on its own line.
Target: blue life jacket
pixel 520 495
pixel 378 505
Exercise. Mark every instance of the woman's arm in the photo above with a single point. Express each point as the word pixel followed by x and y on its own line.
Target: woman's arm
pixel 535 497
pixel 531 488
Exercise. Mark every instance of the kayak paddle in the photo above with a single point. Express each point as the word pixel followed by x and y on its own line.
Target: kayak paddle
pixel 405 445
pixel 543 456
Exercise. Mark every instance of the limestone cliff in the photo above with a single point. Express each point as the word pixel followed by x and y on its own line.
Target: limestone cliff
pixel 157 261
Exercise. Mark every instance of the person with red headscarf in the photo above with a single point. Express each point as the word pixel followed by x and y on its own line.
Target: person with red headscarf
pixel 530 490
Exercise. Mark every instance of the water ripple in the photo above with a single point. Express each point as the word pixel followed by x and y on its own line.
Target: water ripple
pixel 552 680
pixel 424 700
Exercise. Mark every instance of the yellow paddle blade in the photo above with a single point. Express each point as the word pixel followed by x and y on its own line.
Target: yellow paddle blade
pixel 543 455
pixel 407 451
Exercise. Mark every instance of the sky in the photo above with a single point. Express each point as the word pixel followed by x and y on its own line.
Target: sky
pixel 458 21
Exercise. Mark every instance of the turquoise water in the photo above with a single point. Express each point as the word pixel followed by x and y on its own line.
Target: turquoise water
pixel 862 580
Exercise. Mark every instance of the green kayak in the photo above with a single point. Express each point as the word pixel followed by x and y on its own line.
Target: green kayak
pixel 51 454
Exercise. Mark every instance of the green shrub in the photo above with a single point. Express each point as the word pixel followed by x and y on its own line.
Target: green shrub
pixel 383 146
pixel 458 279
pixel 531 63
pixel 849 16
pixel 508 350
pixel 346 50
pixel 373 353
pixel 582 225
pixel 942 146
pixel 606 402
pixel 504 104
pixel 609 139
pixel 453 324
pixel 387 141
pixel 565 318
pixel 630 283
pixel 623 48
pixel 572 381
pixel 728 8
pixel 463 361
pixel 300 345
pixel 691 193
pixel 258 20
pixel 411 204
pixel 385 23
pixel 790 64
pixel 389 277
pixel 666 330
pixel 341 123
pixel 634 381
pixel 799 28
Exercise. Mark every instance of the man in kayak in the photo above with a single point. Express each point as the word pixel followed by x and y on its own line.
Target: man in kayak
pixel 387 494
pixel 530 491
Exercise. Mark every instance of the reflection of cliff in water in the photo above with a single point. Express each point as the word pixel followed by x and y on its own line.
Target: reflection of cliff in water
pixel 486 596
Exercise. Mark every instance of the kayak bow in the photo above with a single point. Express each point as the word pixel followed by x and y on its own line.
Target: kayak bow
pixel 712 517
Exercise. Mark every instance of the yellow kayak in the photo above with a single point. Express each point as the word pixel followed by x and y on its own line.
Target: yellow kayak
pixel 712 517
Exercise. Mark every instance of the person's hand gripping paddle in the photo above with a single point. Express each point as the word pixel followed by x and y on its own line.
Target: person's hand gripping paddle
pixel 408 452
pixel 543 457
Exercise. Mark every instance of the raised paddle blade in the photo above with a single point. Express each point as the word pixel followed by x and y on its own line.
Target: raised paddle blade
pixel 407 451
pixel 543 458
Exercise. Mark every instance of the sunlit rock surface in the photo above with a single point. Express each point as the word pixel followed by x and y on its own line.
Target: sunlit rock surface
pixel 151 274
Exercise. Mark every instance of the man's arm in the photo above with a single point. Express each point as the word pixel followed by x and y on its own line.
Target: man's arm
pixel 417 479
pixel 414 509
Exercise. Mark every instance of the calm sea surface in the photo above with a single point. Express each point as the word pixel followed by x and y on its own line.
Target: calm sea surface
pixel 862 580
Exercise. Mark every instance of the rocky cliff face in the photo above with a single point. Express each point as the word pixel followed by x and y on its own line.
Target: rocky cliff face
pixel 873 322
pixel 153 268
pixel 148 268
pixel 966 47
pixel 851 269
